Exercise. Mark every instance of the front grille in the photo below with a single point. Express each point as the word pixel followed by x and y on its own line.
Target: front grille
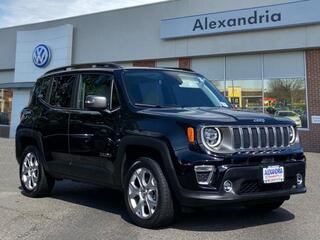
pixel 257 137
pixel 248 187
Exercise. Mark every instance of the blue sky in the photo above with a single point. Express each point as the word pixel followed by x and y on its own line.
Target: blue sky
pixel 18 12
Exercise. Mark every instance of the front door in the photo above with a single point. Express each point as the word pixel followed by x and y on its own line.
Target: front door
pixel 93 133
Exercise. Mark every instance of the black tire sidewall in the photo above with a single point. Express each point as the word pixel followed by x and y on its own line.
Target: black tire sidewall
pixel 155 221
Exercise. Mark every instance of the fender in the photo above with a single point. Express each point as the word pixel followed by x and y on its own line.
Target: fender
pixel 153 143
pixel 35 135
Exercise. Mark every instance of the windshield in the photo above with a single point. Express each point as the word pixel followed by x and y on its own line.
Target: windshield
pixel 171 89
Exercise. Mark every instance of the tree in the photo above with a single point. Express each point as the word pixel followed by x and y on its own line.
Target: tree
pixel 288 92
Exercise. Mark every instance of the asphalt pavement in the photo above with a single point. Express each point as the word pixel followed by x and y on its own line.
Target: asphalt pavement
pixel 80 211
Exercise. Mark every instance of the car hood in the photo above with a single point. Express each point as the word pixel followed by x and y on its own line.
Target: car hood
pixel 216 116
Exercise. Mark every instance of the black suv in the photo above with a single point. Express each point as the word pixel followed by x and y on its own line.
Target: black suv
pixel 166 138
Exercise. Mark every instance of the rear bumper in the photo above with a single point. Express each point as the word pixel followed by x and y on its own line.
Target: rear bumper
pixel 247 186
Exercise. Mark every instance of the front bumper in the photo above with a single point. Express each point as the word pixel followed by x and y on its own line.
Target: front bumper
pixel 247 186
pixel 207 199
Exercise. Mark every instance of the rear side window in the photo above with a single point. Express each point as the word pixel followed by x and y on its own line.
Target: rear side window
pixel 61 91
pixel 94 84
pixel 42 89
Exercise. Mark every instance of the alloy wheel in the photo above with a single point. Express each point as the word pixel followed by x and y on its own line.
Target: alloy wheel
pixel 143 193
pixel 30 171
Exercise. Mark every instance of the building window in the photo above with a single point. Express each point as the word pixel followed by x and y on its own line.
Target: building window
pixel 5 106
pixel 272 83
pixel 286 97
pixel 245 94
pixel 220 85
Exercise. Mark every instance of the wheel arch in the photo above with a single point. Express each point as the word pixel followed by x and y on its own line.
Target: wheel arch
pixel 26 137
pixel 156 149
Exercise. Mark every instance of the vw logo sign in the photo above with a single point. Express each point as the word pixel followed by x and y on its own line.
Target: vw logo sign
pixel 41 55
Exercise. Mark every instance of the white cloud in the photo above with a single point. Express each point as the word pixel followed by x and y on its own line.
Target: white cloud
pixel 17 12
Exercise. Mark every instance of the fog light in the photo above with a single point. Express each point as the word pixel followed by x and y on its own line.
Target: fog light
pixel 227 186
pixel 204 174
pixel 299 179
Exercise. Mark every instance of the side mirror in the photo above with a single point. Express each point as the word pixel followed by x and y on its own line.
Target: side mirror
pixel 96 102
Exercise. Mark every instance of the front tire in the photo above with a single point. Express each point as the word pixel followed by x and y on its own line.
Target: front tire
pixel 147 195
pixel 34 180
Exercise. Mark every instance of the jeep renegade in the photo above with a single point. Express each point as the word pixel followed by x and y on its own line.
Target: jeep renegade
pixel 166 138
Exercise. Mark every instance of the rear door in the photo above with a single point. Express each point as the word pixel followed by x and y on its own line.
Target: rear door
pixel 54 122
pixel 93 133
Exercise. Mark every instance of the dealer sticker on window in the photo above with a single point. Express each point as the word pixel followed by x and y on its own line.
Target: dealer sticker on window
pixel 273 174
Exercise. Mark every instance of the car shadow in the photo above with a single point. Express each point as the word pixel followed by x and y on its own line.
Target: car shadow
pixel 227 219
pixel 222 219
pixel 92 196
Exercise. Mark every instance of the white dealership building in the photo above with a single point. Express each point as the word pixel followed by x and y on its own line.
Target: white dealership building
pixel 263 55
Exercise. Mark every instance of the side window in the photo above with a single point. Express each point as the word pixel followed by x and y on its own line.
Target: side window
pixel 61 91
pixel 42 88
pixel 94 84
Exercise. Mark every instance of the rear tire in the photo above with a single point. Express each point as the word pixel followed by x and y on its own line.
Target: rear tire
pixel 147 195
pixel 264 207
pixel 34 180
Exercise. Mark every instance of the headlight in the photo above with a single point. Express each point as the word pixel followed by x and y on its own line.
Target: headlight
pixel 211 137
pixel 292 135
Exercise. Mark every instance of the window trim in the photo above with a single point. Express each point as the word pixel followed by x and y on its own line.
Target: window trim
pixel 76 91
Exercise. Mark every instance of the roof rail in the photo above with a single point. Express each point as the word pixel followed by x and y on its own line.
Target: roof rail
pixel 86 65
pixel 176 68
